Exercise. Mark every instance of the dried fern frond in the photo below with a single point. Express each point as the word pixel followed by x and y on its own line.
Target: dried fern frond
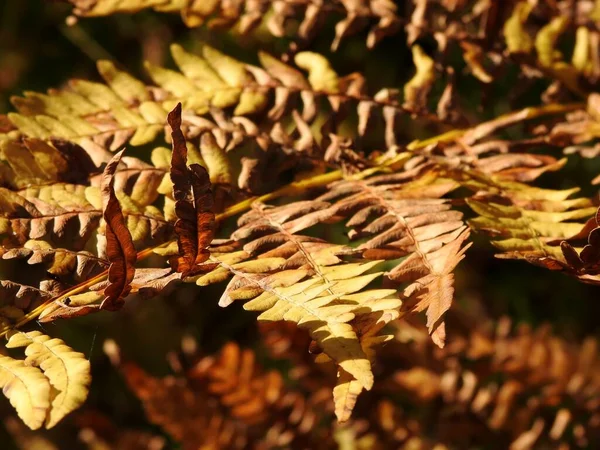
pixel 188 418
pixel 102 118
pixel 402 215
pixel 396 204
pixel 292 277
pixel 538 226
pixel 227 401
pixel 493 36
pixel 534 388
pixel 311 286
pixel 248 15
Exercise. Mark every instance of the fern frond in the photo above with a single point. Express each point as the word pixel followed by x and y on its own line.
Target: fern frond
pixel 227 400
pixel 489 379
pixel 403 217
pixel 533 224
pixel 67 371
pixel 102 118
pixel 248 15
pixel 331 303
pixel 50 383
pixel 185 416
pixel 324 303
pixel 27 389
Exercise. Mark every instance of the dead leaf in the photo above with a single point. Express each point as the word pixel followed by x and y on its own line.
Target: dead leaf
pixel 193 204
pixel 119 245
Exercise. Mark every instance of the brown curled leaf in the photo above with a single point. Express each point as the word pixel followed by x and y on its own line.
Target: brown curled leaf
pixel 193 204
pixel 119 245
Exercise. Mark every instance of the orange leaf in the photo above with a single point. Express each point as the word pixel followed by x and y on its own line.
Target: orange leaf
pixel 193 204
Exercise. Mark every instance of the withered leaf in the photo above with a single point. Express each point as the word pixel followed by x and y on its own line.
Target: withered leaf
pixel 588 260
pixel 193 204
pixel 119 245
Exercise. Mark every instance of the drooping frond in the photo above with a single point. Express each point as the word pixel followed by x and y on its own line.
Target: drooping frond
pixel 305 281
pixel 288 276
pixel 403 216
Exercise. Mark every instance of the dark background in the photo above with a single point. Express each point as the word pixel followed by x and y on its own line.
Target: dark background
pixel 38 50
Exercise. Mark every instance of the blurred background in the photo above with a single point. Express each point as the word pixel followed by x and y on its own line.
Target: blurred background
pixel 38 50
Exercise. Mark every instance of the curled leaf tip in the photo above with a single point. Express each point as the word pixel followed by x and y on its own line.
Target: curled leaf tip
pixel 174 118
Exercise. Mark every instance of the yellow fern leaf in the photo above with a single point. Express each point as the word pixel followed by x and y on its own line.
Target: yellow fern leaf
pixel 345 395
pixel 531 227
pixel 324 306
pixel 27 389
pixel 67 371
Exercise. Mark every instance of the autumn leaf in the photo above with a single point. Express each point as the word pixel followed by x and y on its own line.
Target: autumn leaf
pixel 67 371
pixel 119 245
pixel 193 204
